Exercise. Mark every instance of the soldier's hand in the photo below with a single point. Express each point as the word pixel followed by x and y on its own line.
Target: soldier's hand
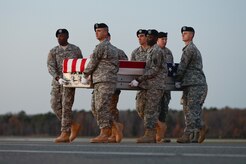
pixel 84 81
pixel 134 83
pixel 178 85
pixel 62 81
pixel 89 78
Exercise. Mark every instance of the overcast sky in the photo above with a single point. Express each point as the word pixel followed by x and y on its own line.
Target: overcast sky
pixel 28 27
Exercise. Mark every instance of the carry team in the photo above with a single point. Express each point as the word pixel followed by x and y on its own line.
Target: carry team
pixel 151 101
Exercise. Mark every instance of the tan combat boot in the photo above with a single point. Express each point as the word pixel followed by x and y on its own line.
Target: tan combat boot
pixel 203 132
pixel 185 138
pixel 118 131
pixel 75 128
pixel 64 137
pixel 161 128
pixel 102 137
pixel 112 138
pixel 149 136
pixel 117 134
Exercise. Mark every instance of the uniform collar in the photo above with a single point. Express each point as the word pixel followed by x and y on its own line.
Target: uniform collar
pixel 153 47
pixel 191 42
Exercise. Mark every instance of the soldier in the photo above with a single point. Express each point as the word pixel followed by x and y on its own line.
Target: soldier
pixel 152 84
pixel 116 135
pixel 166 97
pixel 62 98
pixel 103 68
pixel 139 54
pixel 191 78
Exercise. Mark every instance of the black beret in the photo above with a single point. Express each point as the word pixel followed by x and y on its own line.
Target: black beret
pixel 141 31
pixel 100 25
pixel 162 34
pixel 152 32
pixel 62 31
pixel 186 28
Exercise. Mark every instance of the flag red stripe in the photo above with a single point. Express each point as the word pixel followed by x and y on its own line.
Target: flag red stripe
pixel 74 65
pixel 65 65
pixel 82 66
pixel 131 64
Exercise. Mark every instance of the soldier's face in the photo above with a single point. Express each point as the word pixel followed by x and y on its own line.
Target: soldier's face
pixel 101 33
pixel 162 42
pixel 187 36
pixel 151 40
pixel 62 39
pixel 142 39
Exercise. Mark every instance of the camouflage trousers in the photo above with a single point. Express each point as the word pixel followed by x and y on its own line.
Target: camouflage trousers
pixel 163 108
pixel 113 105
pixel 100 103
pixel 192 101
pixel 147 106
pixel 62 99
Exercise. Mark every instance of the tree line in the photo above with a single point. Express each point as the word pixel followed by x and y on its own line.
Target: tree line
pixel 222 123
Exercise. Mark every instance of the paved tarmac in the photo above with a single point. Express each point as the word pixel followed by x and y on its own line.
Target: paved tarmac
pixel 45 151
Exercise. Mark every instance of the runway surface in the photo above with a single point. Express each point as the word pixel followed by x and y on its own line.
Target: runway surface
pixel 44 151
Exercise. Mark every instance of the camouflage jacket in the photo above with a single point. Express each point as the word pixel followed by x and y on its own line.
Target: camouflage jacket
pixel 122 55
pixel 169 55
pixel 139 54
pixel 104 63
pixel 57 55
pixel 155 69
pixel 190 68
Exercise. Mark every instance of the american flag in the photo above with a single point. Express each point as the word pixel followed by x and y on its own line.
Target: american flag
pixel 126 67
pixel 172 69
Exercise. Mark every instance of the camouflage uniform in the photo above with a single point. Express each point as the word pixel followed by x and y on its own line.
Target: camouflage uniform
pixel 62 98
pixel 166 97
pixel 115 98
pixel 103 67
pixel 152 83
pixel 139 54
pixel 193 82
